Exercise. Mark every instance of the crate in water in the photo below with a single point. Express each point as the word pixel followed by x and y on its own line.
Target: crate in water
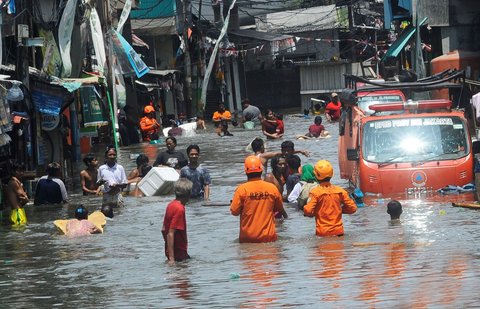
pixel 159 181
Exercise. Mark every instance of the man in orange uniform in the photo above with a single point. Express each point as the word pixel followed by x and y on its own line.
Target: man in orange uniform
pixel 149 125
pixel 256 201
pixel 325 202
pixel 220 120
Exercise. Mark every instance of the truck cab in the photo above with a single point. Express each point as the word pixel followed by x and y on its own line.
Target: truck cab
pixel 403 146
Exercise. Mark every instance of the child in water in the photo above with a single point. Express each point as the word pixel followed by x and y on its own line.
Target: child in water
pixel 88 176
pixel 80 226
pixel 316 130
pixel 394 209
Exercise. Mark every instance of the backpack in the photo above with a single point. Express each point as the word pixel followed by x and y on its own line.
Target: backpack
pixel 305 192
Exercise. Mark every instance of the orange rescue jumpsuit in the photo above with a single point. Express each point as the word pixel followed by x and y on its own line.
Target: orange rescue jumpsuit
pixel 256 201
pixel 225 115
pixel 148 126
pixel 326 205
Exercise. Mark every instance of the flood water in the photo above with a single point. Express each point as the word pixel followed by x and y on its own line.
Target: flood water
pixel 430 260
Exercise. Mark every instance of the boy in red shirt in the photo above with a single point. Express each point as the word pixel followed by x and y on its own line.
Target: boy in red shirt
pixel 174 228
pixel 256 201
pixel 328 202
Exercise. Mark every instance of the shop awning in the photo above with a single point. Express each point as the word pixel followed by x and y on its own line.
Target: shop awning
pixel 401 41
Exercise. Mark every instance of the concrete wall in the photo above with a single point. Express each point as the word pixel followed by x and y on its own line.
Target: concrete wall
pixel 463 32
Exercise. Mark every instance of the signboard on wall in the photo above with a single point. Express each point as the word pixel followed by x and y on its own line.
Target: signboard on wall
pixel 49 121
pixel 46 103
pixel 91 107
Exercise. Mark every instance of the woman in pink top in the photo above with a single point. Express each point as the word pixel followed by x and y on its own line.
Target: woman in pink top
pixel 80 226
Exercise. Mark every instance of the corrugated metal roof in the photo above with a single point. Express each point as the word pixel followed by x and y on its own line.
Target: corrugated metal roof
pixel 309 19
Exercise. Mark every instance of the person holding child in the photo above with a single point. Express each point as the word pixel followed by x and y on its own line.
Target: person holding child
pixel 270 126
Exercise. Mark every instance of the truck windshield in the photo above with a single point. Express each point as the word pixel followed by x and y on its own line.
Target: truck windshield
pixel 366 101
pixel 414 140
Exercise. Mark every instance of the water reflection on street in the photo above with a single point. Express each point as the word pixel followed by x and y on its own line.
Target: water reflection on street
pixel 430 260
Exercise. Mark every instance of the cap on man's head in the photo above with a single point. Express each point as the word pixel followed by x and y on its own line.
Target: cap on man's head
pixel 148 109
pixel 334 94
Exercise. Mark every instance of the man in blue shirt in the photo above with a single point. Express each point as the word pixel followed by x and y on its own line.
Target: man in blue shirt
pixel 197 174
pixel 50 188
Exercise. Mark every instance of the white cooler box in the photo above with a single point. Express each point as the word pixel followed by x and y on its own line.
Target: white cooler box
pixel 159 181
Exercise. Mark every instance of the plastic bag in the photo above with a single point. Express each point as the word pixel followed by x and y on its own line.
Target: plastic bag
pixel 15 94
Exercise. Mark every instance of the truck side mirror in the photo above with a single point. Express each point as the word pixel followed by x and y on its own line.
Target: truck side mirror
pixel 352 154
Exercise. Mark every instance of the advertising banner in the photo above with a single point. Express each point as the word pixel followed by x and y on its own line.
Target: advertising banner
pixel 98 42
pixel 65 29
pixel 91 107
pixel 127 56
pixel 125 13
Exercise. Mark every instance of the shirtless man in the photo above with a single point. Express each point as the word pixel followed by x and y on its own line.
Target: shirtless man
pixel 15 195
pixel 88 176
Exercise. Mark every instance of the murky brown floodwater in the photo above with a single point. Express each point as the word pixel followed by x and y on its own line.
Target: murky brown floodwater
pixel 431 260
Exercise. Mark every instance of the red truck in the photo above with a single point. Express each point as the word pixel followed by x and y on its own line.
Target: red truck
pixel 391 145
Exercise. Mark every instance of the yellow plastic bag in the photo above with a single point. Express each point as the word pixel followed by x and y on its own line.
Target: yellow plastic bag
pixel 18 216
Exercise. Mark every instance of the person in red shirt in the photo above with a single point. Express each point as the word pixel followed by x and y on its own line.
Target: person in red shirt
pixel 174 228
pixel 316 130
pixel 333 110
pixel 328 202
pixel 149 125
pixel 280 125
pixel 256 201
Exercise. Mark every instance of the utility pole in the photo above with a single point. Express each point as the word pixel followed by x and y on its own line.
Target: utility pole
pixel 22 61
pixel 186 58
pixel 22 26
